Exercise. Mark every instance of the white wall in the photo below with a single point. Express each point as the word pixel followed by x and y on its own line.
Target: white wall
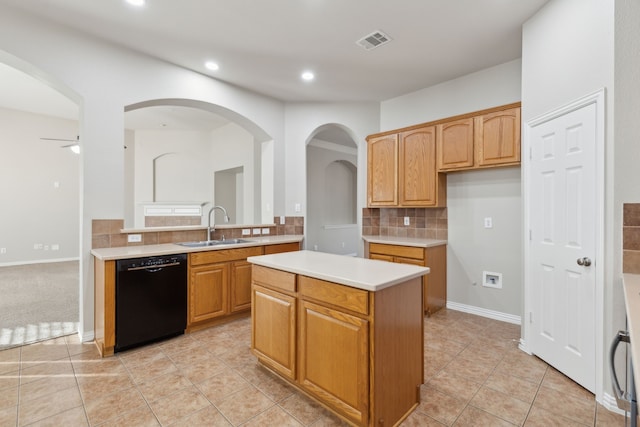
pixel 103 79
pixel 31 202
pixel 472 196
pixel 487 88
pixel 233 147
pixel 302 121
pixel 568 52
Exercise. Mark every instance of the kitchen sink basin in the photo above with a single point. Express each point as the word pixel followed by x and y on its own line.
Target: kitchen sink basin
pixel 204 243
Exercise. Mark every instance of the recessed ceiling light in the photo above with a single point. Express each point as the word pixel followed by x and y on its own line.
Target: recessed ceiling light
pixel 307 76
pixel 211 65
pixel 136 2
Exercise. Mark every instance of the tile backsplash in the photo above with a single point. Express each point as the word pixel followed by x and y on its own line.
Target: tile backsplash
pixel 424 223
pixel 107 233
pixel 631 238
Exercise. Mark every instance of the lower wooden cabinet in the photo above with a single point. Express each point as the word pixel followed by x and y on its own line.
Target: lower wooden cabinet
pixel 340 377
pixel 352 350
pixel 275 343
pixel 219 285
pixel 434 257
pixel 240 286
pixel 208 289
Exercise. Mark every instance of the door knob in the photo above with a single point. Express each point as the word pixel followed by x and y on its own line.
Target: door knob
pixel 584 261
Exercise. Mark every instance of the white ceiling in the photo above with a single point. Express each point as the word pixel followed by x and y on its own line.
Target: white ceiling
pixel 265 45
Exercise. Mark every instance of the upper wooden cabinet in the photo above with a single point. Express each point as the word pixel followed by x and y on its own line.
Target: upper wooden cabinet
pixel 455 144
pixel 402 170
pixel 497 137
pixel 487 139
pixel 406 167
pixel 382 171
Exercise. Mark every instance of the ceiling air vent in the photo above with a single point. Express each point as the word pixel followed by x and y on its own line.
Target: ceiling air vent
pixel 373 40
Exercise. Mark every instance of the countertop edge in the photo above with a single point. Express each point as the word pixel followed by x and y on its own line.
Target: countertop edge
pixel 124 252
pixel 275 261
pixel 404 241
pixel 631 286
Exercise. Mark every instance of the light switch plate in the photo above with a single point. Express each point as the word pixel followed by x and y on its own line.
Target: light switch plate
pixel 265 231
pixel 246 231
pixel 282 220
pixel 256 231
pixel 406 220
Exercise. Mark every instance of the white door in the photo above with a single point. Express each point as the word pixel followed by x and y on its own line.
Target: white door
pixel 563 219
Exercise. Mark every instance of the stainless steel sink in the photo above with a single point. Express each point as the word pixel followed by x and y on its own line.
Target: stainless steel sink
pixel 204 243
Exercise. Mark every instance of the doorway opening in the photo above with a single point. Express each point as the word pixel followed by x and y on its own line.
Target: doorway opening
pixel 39 248
pixel 331 223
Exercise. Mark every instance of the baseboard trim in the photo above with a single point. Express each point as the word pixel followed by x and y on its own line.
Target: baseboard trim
pixel 37 261
pixel 479 311
pixel 609 402
pixel 86 336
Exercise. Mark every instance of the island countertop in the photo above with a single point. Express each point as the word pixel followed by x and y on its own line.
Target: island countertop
pixel 361 273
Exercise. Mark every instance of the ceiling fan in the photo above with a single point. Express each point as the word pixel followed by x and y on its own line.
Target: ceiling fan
pixel 75 147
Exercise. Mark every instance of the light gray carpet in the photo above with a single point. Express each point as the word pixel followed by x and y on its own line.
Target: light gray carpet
pixel 38 302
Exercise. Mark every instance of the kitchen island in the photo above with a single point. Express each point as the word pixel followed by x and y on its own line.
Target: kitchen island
pixel 346 331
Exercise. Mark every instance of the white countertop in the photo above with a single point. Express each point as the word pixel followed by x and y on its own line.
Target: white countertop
pixel 631 285
pixel 404 241
pixel 361 273
pixel 125 252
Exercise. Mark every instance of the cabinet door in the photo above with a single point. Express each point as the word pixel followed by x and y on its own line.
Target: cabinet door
pixel 382 171
pixel 417 167
pixel 498 137
pixel 240 286
pixel 334 359
pixel 208 286
pixel 455 144
pixel 273 329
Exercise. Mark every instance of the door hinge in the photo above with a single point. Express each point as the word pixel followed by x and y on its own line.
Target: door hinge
pixel 531 317
pixel 530 153
pixel 530 235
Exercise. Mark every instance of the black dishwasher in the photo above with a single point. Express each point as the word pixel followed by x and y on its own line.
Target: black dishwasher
pixel 151 299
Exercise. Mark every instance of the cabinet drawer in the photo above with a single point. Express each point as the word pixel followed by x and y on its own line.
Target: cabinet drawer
pixel 222 255
pixel 282 247
pixel 356 300
pixel 272 278
pixel 397 250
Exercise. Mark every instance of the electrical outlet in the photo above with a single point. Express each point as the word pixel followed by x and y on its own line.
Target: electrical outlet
pixel 297 207
pixel 282 220
pixel 265 231
pixel 3 250
pixel 488 222
pixel 246 232
pixel 134 238
pixel 256 231
pixel 406 220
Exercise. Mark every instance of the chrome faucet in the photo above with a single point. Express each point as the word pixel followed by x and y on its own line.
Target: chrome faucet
pixel 226 219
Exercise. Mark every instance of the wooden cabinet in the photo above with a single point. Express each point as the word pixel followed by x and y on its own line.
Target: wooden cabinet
pixel 208 287
pixel 219 285
pixel 382 171
pixel 240 286
pixel 455 144
pixel 275 344
pixel 219 288
pixel 332 351
pixel 486 139
pixel 435 257
pixel 338 377
pixel 402 170
pixel 497 137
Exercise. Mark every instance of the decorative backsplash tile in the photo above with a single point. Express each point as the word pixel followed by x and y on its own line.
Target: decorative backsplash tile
pixel 425 223
pixel 106 233
pixel 631 238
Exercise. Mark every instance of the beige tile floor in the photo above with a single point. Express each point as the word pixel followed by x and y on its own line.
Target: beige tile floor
pixel 474 374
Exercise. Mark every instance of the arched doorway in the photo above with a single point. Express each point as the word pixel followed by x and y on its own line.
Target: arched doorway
pixel 39 251
pixel 331 223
